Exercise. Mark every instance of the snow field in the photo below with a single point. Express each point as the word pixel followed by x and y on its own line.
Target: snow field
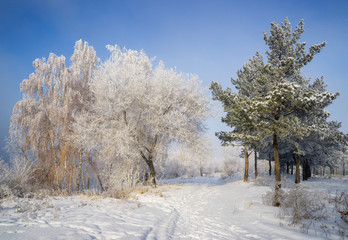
pixel 199 208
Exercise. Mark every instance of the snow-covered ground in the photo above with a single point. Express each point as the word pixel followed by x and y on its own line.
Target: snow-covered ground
pixel 199 208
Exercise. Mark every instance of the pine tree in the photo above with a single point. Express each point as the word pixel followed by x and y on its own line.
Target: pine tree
pixel 271 94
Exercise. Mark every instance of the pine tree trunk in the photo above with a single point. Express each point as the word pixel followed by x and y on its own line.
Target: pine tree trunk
pixel 304 170
pixel 344 169
pixel 309 171
pixel 277 171
pixel 298 162
pixel 255 158
pixel 287 167
pixel 332 171
pixel 246 169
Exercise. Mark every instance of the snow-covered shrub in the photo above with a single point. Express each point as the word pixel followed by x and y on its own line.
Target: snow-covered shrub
pixel 173 169
pixel 22 172
pixel 189 161
pixel 341 205
pixel 304 207
pixel 5 175
pixel 300 206
pixel 271 197
pixel 14 178
pixel 264 181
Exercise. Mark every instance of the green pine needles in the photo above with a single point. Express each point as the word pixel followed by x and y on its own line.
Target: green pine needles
pixel 274 100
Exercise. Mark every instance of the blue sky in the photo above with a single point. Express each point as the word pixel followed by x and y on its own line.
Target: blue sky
pixel 210 38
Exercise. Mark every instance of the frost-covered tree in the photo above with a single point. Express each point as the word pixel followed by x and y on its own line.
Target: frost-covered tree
pixel 42 122
pixel 324 148
pixel 278 108
pixel 239 115
pixel 190 161
pixel 271 95
pixel 138 111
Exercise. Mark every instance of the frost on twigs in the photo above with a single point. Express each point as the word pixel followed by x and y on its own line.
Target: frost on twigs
pixel 138 111
pixel 105 127
pixel 15 177
pixel 41 122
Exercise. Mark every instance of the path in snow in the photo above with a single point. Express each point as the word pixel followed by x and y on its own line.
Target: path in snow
pixel 220 211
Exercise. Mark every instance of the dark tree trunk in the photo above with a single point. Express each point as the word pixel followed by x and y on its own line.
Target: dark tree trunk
pixel 298 162
pixel 287 167
pixel 306 170
pixel 270 165
pixel 309 171
pixel 246 169
pixel 255 158
pixel 152 173
pixel 277 170
pixel 344 169
pixel 149 161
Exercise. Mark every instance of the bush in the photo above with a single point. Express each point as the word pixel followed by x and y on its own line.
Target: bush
pixel 341 205
pixel 14 181
pixel 301 204
pixel 267 181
